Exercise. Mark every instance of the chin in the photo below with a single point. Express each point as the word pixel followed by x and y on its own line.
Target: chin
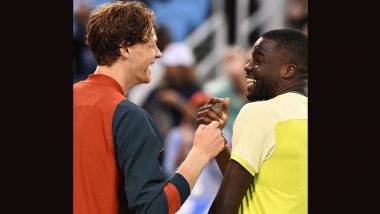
pixel 146 81
pixel 251 97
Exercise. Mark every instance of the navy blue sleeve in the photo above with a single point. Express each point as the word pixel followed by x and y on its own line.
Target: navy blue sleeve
pixel 182 185
pixel 137 148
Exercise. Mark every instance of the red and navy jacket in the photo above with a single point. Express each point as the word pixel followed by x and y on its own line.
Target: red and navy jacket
pixel 116 151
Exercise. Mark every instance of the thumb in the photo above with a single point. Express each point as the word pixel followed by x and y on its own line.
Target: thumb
pixel 226 105
pixel 214 124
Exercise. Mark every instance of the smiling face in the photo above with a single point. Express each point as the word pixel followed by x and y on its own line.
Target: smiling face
pixel 142 57
pixel 263 70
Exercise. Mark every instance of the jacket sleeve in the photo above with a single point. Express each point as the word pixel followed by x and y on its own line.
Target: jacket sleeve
pixel 137 148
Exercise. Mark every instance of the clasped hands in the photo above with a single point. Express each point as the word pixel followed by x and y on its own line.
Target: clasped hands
pixel 210 112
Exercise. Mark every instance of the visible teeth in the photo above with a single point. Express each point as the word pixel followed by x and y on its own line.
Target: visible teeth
pixel 251 80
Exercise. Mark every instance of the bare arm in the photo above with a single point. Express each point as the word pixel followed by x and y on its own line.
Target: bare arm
pixel 235 184
pixel 223 158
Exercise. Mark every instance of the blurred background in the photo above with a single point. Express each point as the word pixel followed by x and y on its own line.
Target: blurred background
pixel 205 45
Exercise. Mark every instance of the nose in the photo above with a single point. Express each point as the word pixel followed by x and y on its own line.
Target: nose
pixel 157 53
pixel 249 66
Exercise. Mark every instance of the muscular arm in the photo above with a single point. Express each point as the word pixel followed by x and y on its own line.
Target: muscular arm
pixel 223 158
pixel 235 184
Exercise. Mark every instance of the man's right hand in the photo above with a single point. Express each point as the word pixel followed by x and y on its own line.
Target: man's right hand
pixel 210 112
pixel 208 140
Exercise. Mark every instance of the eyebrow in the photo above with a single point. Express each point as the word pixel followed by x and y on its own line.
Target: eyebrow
pixel 257 52
pixel 261 47
pixel 261 50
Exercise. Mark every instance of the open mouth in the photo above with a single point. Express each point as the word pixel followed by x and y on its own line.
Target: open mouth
pixel 250 80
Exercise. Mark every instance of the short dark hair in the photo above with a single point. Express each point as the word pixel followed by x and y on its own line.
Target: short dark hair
pixel 293 44
pixel 117 24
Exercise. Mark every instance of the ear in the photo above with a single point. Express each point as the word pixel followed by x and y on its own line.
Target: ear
pixel 288 71
pixel 124 52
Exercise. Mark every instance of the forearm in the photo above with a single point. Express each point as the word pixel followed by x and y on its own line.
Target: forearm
pixel 223 158
pixel 233 188
pixel 222 209
pixel 192 167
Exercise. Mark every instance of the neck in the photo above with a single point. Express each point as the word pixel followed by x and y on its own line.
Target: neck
pixel 118 73
pixel 300 87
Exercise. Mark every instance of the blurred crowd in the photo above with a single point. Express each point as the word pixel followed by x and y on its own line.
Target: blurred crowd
pixel 176 92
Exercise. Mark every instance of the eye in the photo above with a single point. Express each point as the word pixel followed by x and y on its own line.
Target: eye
pixel 257 59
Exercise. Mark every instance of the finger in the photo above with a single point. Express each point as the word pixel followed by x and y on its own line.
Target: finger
pixel 215 100
pixel 209 106
pixel 205 107
pixel 209 114
pixel 216 110
pixel 203 120
pixel 226 105
pixel 200 114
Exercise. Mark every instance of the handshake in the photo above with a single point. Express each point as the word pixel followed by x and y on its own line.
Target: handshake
pixel 210 112
pixel 208 138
